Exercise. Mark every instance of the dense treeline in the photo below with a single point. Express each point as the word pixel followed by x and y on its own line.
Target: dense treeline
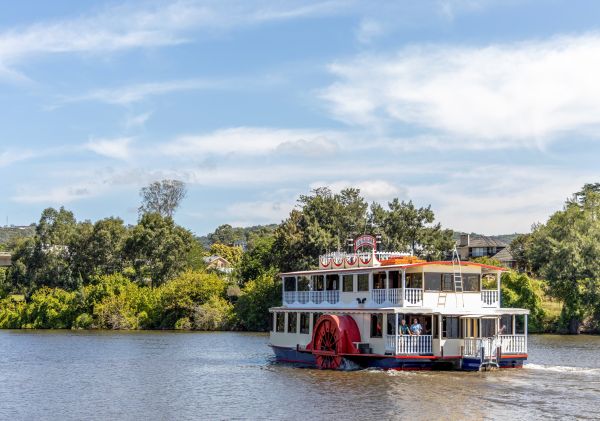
pixel 565 252
pixel 152 275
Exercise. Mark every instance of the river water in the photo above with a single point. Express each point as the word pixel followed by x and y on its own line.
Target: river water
pixel 64 375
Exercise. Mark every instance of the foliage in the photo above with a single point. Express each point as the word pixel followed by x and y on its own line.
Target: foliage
pixel 258 259
pixel 162 197
pixel 485 260
pixel 215 314
pixel 258 295
pixel 325 220
pixel 521 291
pixel 232 254
pixel 518 249
pixel 566 252
pixel 158 248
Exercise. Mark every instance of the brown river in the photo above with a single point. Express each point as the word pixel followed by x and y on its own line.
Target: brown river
pixel 64 375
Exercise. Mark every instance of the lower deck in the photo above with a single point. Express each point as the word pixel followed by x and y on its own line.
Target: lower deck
pixel 396 339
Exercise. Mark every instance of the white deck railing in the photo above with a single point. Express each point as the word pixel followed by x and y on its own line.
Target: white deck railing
pixel 395 295
pixel 509 344
pixel 413 296
pixel 303 297
pixel 490 298
pixel 378 295
pixel 513 344
pixel 332 297
pixel 289 296
pixel 409 345
pixel 473 346
pixel 316 296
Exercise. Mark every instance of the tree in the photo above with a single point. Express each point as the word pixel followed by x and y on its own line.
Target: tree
pixel 258 259
pixel 162 197
pixel 45 259
pixel 98 248
pixel 258 295
pixel 566 252
pixel 158 249
pixel 411 229
pixel 518 248
pixel 521 291
pixel 323 223
pixel 232 254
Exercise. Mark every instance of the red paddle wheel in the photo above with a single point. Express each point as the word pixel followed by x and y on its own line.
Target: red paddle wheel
pixel 332 336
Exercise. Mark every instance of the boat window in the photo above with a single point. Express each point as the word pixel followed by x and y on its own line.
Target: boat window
pixel 506 325
pixel 519 324
pixel 348 283
pixel 317 282
pixel 414 280
pixel 280 323
pixel 391 324
pixel 470 282
pixel 292 325
pixel 434 326
pixel 376 325
pixel 450 327
pixel 379 280
pixel 447 282
pixel 489 282
pixel 363 282
pixel 433 282
pixel 271 324
pixel 488 328
pixel 303 283
pixel 304 323
pixel 289 283
pixel 332 282
pixel 394 279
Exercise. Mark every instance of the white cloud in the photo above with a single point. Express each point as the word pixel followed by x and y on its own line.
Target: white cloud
pixel 112 148
pixel 368 30
pixel 136 25
pixel 522 94
pixel 258 212
pixel 9 157
pixel 125 95
pixel 371 190
pixel 57 195
pixel 255 141
pixel 138 120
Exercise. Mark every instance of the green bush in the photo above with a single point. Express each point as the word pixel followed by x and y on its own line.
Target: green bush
pixel 252 307
pixel 83 321
pixel 215 314
pixel 183 324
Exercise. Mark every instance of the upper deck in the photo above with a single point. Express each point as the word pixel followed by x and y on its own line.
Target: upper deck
pixel 379 280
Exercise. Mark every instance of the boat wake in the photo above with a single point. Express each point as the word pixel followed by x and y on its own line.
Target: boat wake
pixel 562 369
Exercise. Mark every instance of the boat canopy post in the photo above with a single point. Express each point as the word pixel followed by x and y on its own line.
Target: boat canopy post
pixel 403 287
pixel 396 343
pixel 525 332
pixel 498 275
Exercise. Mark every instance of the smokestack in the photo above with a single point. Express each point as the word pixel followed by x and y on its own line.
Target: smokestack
pixel 465 240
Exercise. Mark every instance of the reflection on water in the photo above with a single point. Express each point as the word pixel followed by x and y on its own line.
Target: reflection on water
pixel 167 375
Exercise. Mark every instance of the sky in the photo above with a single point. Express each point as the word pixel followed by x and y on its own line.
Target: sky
pixel 487 110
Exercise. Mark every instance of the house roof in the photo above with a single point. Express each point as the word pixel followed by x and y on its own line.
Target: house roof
pixel 210 259
pixel 483 241
pixel 504 255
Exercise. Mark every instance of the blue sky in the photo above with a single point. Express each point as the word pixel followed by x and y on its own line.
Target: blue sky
pixel 487 110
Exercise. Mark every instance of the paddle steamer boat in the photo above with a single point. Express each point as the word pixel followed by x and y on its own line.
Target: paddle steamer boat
pixel 348 314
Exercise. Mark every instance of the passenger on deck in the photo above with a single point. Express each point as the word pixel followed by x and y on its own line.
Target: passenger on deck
pixel 416 327
pixel 404 330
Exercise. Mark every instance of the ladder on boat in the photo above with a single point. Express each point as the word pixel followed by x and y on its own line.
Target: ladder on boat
pixel 489 355
pixel 457 276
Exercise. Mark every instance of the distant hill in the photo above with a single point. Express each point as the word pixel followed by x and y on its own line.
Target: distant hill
pixel 10 233
pixel 229 235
